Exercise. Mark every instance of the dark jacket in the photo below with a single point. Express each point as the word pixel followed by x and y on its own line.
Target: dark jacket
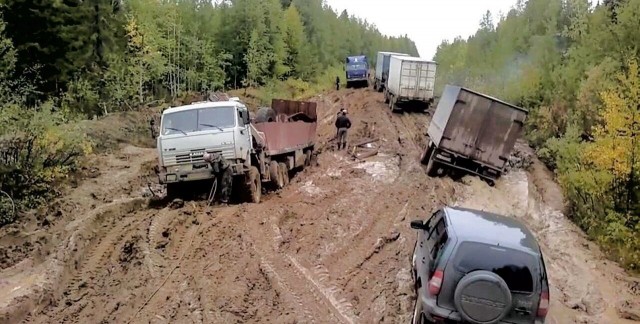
pixel 343 122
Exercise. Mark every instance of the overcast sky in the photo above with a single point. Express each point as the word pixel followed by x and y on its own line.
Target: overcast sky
pixel 427 22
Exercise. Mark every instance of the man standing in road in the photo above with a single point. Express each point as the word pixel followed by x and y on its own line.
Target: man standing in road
pixel 337 83
pixel 342 124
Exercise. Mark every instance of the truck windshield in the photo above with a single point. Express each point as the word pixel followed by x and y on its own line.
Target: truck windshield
pixel 357 66
pixel 194 120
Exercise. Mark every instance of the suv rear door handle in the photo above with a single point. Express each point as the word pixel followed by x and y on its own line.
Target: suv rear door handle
pixel 522 310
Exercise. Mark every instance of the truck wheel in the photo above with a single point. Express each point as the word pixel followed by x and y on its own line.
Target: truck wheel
pixel 285 173
pixel 276 175
pixel 265 114
pixel 424 159
pixel 307 158
pixel 432 169
pixel 254 185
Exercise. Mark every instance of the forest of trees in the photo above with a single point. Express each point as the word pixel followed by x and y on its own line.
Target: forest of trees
pixel 106 55
pixel 574 65
pixel 61 61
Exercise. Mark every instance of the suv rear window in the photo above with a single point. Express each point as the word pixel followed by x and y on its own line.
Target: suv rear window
pixel 514 267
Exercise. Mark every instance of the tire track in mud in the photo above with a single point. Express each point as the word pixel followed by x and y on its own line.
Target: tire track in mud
pixel 85 264
pixel 182 285
pixel 88 280
pixel 297 281
pixel 157 240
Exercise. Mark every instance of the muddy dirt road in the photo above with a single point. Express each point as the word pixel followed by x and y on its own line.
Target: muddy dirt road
pixel 333 247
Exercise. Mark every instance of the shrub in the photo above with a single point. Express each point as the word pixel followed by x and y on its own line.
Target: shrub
pixel 37 148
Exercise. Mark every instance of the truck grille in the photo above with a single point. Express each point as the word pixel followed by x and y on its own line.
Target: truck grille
pixel 197 155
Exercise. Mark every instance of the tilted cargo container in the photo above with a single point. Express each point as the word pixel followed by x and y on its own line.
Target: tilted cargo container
pixel 472 132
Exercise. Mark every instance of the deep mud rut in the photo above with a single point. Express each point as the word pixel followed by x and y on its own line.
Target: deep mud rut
pixel 333 247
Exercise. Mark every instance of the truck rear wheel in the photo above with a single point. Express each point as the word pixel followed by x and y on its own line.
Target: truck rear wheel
pixel 276 175
pixel 428 159
pixel 307 158
pixel 285 173
pixel 254 185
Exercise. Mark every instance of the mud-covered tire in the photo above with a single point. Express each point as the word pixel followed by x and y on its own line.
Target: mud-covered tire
pixel 285 173
pixel 307 158
pixel 265 114
pixel 432 166
pixel 253 185
pixel 482 297
pixel 424 158
pixel 276 175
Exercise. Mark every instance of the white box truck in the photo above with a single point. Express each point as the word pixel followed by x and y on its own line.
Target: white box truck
pixel 411 80
pixel 382 69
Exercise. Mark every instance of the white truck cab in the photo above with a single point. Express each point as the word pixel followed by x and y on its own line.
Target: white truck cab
pixel 221 129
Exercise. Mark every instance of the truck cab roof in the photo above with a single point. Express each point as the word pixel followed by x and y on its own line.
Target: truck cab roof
pixel 203 104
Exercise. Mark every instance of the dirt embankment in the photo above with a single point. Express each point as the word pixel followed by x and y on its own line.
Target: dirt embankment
pixel 334 246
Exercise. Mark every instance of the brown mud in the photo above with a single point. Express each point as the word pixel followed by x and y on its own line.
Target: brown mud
pixel 333 247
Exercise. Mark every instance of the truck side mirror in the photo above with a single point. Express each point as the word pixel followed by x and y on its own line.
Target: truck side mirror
pixel 418 224
pixel 245 117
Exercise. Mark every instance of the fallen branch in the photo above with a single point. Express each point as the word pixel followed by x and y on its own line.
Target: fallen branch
pixel 367 154
pixel 366 141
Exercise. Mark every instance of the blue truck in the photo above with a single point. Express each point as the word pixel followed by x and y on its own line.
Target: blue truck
pixel 357 71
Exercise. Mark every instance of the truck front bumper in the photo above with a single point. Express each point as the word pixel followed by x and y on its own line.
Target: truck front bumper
pixel 193 172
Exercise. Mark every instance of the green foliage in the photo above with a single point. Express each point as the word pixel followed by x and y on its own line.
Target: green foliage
pixel 37 148
pixel 574 67
pixel 101 56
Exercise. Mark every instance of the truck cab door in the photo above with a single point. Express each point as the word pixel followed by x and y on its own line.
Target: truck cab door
pixel 243 133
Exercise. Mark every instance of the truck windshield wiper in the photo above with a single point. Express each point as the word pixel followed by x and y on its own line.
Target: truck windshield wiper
pixel 176 129
pixel 214 126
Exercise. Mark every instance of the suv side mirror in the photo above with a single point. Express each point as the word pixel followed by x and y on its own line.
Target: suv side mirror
pixel 418 224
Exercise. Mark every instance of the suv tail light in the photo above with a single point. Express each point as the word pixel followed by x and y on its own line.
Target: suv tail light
pixel 436 282
pixel 543 308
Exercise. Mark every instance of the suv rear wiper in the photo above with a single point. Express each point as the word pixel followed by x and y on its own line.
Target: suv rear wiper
pixel 176 129
pixel 214 126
